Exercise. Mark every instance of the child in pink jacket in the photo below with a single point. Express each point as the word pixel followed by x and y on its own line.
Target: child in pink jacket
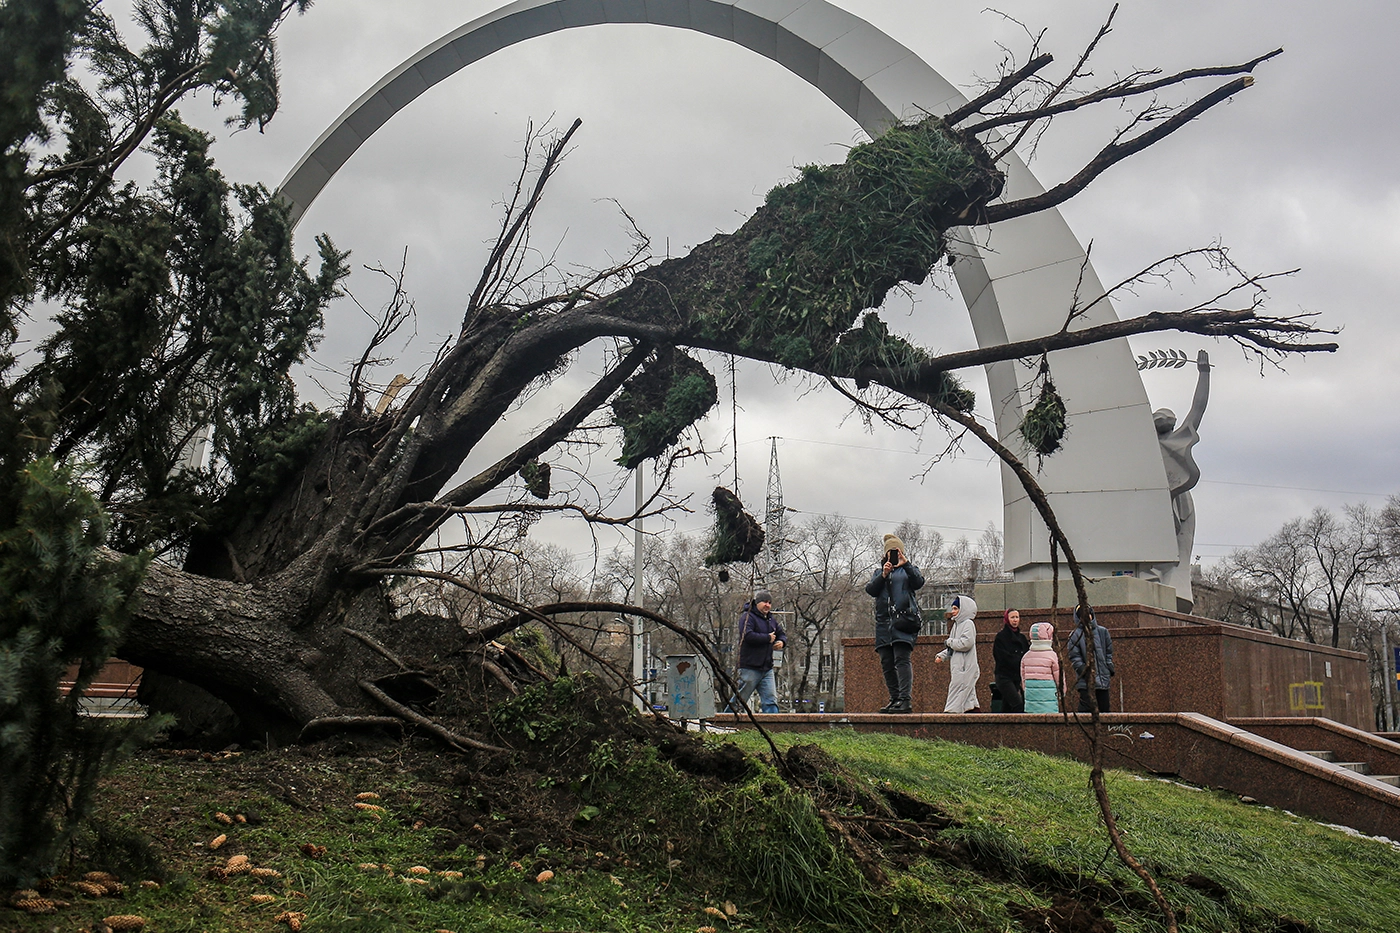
pixel 1040 671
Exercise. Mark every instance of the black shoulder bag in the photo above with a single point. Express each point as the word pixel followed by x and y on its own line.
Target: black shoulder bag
pixel 906 621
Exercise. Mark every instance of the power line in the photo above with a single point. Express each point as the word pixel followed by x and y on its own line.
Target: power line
pixel 955 456
pixel 882 450
pixel 888 521
pixel 1340 492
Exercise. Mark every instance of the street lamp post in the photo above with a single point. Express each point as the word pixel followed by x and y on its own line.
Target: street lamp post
pixel 637 676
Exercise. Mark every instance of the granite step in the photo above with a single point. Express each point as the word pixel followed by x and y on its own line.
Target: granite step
pixel 1324 755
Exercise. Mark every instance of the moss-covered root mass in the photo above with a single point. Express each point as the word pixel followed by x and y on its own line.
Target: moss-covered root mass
pixel 792 284
pixel 794 279
pixel 673 392
pixel 1044 426
pixel 737 535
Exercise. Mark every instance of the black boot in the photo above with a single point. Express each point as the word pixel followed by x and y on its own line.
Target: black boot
pixel 888 707
pixel 901 706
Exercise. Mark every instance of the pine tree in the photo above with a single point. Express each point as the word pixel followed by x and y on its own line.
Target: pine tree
pixel 180 305
pixel 59 605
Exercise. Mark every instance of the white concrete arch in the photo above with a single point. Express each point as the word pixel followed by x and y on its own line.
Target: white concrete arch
pixel 1108 484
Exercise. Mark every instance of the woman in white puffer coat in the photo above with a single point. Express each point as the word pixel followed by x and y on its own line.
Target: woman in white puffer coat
pixel 960 652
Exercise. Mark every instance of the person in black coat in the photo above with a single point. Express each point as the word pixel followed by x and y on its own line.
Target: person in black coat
pixel 1103 664
pixel 1010 644
pixel 893 586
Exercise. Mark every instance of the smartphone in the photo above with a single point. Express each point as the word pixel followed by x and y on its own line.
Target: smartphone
pixel 892 557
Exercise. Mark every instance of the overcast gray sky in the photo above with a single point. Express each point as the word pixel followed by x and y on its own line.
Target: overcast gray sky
pixel 688 132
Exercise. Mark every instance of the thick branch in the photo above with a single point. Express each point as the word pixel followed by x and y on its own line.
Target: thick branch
pixel 234 639
pixel 419 519
pixel 1118 91
pixel 460 742
pixel 1243 325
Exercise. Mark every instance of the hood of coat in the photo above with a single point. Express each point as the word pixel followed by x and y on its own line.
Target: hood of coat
pixel 967 609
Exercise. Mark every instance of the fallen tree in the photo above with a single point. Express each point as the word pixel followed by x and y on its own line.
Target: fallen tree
pixel 287 543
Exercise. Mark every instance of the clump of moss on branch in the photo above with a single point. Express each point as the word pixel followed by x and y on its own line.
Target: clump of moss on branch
pixel 673 392
pixel 1043 427
pixel 536 477
pixel 737 537
pixel 871 346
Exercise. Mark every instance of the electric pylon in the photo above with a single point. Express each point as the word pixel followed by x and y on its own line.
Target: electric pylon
pixel 775 524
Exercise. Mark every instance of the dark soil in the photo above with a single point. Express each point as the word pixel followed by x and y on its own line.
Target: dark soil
pixel 1064 915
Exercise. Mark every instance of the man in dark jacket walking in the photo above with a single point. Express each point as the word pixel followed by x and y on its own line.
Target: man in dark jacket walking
pixel 1103 663
pixel 759 635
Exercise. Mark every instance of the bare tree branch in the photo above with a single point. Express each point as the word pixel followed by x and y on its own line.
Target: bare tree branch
pixel 1111 155
pixel 1120 90
pixel 413 523
pixel 1244 326
pixel 1074 72
pixel 1000 90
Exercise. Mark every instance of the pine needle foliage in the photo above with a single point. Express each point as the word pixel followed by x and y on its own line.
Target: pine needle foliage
pixel 60 603
pixel 1043 427
pixel 174 307
pixel 833 243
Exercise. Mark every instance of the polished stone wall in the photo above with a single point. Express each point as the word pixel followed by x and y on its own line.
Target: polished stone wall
pixel 1165 662
pixel 1269 770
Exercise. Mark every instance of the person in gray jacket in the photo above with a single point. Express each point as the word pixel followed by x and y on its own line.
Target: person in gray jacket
pixel 1103 663
pixel 893 586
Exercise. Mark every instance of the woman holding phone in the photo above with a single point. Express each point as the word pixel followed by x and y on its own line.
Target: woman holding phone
pixel 893 587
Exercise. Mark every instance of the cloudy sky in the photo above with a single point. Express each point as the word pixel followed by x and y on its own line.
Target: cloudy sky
pixel 688 132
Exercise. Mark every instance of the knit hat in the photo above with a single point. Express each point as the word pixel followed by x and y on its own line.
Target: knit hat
pixel 892 543
pixel 762 596
pixel 1042 631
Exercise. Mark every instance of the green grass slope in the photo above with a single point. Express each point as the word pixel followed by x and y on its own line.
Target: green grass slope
pixel 596 833
pixel 1224 865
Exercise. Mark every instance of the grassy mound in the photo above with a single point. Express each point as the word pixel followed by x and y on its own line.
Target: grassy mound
pixel 601 820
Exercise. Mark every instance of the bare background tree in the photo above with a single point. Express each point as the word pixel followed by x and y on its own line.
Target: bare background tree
pixel 1327 578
